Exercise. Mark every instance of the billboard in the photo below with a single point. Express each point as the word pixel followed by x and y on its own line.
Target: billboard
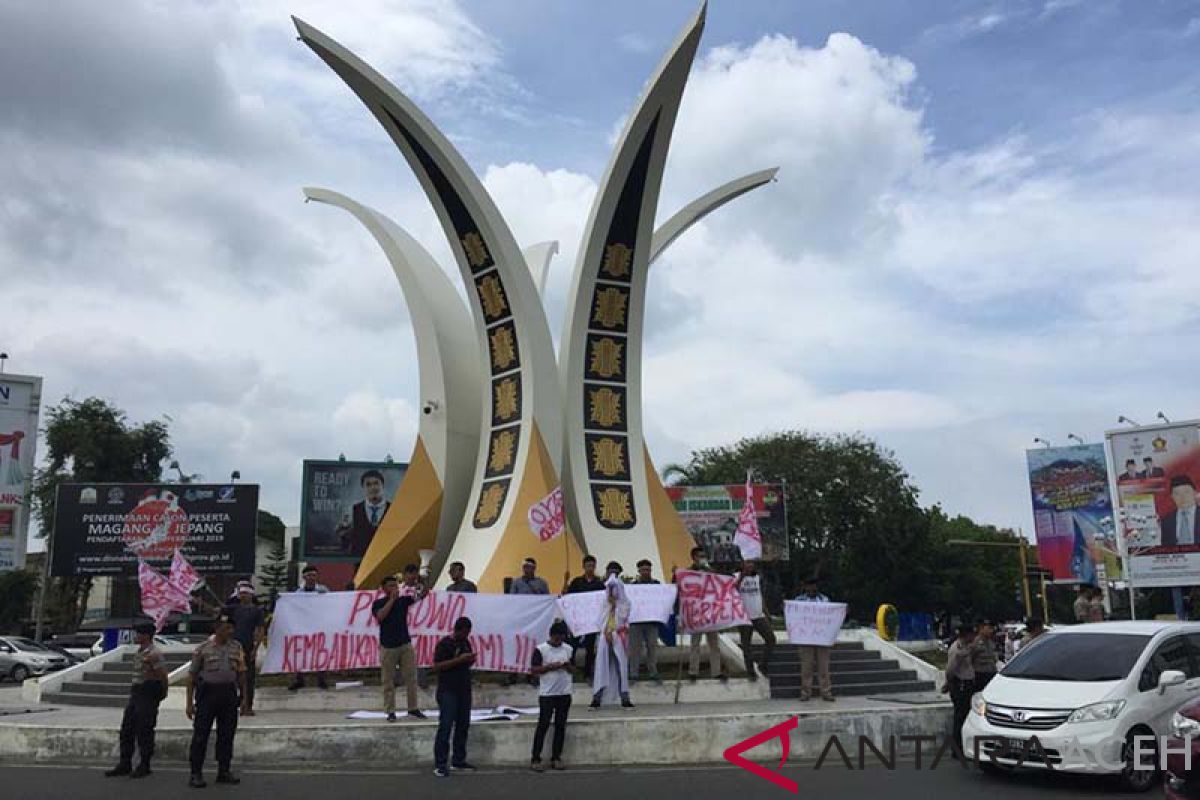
pixel 20 397
pixel 710 513
pixel 105 528
pixel 1073 513
pixel 1157 470
pixel 343 504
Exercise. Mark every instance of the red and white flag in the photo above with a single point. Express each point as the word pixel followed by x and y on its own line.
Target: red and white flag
pixel 158 599
pixel 548 516
pixel 183 580
pixel 748 539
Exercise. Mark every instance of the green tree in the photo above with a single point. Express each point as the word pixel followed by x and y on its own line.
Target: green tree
pixel 17 590
pixel 856 524
pixel 90 441
pixel 270 527
pixel 274 575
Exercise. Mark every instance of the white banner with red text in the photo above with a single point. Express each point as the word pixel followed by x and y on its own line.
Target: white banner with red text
pixel 813 623
pixel 648 603
pixel 336 631
pixel 708 602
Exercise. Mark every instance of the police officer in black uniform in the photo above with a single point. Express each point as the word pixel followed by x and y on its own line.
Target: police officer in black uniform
pixel 216 688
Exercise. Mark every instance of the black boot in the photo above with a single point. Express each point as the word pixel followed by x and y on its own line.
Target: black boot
pixel 197 781
pixel 119 770
pixel 143 769
pixel 228 777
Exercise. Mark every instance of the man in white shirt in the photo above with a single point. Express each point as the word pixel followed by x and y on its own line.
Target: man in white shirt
pixel 309 584
pixel 749 584
pixel 814 653
pixel 1181 526
pixel 552 666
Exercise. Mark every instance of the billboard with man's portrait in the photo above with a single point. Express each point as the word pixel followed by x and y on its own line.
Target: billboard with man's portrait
pixel 344 502
pixel 1157 472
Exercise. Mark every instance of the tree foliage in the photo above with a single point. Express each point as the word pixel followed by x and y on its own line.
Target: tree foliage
pixel 91 441
pixel 17 589
pixel 856 524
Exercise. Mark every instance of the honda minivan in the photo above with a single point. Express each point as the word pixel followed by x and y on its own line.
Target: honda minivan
pixel 1085 692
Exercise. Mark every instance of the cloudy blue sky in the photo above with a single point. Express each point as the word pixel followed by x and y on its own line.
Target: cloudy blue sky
pixel 984 229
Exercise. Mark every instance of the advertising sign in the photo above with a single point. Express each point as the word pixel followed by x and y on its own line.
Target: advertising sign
pixel 344 502
pixel 20 397
pixel 106 528
pixel 711 514
pixel 1072 513
pixel 1157 471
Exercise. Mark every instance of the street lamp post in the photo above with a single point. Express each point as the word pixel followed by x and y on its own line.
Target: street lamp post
pixel 1020 545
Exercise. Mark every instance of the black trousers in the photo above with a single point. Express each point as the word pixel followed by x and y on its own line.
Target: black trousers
pixel 251 670
pixel 214 704
pixel 763 626
pixel 454 715
pixel 960 696
pixel 556 706
pixel 982 679
pixel 137 724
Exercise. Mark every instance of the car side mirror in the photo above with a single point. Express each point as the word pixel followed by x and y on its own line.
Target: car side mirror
pixel 1169 678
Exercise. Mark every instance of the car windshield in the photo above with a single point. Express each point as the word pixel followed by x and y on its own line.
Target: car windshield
pixel 27 645
pixel 1078 657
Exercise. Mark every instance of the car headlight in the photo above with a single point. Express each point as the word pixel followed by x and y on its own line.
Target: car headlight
pixel 1097 712
pixel 1184 728
pixel 978 704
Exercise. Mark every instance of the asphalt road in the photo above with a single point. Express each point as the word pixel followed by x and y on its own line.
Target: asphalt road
pixel 674 783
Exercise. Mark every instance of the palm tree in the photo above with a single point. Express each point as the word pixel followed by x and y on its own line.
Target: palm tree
pixel 678 475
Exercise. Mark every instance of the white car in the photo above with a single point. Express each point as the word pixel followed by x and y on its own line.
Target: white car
pixel 1085 692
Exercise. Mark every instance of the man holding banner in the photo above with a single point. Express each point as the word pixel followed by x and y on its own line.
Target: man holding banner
pixel 700 565
pixel 811 651
pixel 643 636
pixel 749 584
pixel 589 581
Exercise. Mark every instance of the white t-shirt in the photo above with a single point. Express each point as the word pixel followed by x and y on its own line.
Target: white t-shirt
pixel 751 591
pixel 558 681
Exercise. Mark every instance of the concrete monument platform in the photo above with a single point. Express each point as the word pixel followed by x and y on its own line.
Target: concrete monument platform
pixel 650 734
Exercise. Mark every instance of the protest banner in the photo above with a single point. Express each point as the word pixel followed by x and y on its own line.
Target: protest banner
pixel 648 603
pixel 548 516
pixel 708 602
pixel 337 631
pixel 813 623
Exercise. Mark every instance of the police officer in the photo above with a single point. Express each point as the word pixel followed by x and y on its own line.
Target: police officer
pixel 217 676
pixel 141 712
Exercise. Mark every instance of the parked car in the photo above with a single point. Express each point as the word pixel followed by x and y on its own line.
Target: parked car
pixel 72 658
pixel 1183 754
pixel 22 658
pixel 78 645
pixel 1085 692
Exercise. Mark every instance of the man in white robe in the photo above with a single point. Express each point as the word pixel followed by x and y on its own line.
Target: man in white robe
pixel 612 662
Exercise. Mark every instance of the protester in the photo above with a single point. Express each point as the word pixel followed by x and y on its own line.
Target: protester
pixel 529 582
pixel 1095 607
pixel 700 564
pixel 589 581
pixel 452 660
pixel 1082 604
pixel 141 712
pixel 810 654
pixel 960 678
pixel 552 664
pixel 218 669
pixel 413 585
pixel 457 582
pixel 395 644
pixel 749 584
pixel 249 629
pixel 643 636
pixel 612 663
pixel 1034 627
pixel 983 656
pixel 309 584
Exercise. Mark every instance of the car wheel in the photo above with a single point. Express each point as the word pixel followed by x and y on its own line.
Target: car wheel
pixel 1138 780
pixel 19 673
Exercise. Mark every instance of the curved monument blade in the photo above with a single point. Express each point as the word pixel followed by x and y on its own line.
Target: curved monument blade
pixel 704 205
pixel 519 407
pixel 609 493
pixel 537 258
pixel 430 502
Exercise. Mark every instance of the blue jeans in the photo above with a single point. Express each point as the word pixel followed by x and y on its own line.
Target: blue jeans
pixel 454 712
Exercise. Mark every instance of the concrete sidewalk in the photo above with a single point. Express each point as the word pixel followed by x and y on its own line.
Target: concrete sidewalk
pixel 649 734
